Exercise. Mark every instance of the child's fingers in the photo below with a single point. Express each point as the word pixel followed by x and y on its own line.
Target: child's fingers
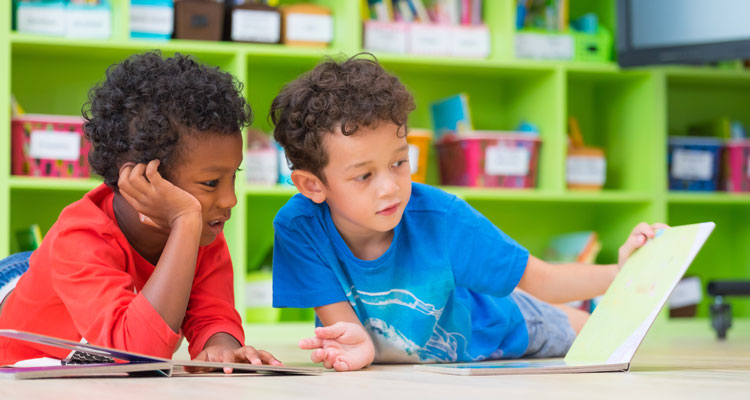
pixel 152 170
pixel 341 366
pixel 331 332
pixel 660 226
pixel 318 355
pixel 268 358
pixel 250 354
pixel 310 343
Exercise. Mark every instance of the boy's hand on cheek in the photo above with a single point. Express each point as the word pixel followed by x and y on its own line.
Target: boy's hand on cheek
pixel 343 346
pixel 160 203
pixel 638 237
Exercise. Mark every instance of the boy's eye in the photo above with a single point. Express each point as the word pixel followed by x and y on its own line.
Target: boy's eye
pixel 400 162
pixel 363 178
pixel 212 183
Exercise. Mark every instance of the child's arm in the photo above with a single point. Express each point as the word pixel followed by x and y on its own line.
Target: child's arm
pixel 178 212
pixel 561 283
pixel 342 344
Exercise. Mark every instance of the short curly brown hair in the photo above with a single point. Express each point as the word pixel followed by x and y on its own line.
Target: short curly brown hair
pixel 347 95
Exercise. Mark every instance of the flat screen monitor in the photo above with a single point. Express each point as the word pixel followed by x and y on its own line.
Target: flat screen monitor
pixel 682 31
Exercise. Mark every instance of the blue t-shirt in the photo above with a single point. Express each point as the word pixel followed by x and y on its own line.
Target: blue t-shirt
pixel 438 294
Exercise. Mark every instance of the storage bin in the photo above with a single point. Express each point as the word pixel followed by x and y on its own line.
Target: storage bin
pixel 585 168
pixel 48 145
pixel 199 19
pixel 693 163
pixel 596 47
pixel 253 22
pixel 259 298
pixel 151 19
pixel 419 151
pixel 737 166
pixel 489 159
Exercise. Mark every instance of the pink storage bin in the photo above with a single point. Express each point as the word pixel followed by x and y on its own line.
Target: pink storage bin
pixel 49 145
pixel 489 159
pixel 737 166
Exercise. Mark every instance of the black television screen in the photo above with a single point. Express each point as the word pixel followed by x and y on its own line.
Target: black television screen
pixel 682 31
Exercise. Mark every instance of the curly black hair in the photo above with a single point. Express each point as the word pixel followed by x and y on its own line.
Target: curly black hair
pixel 147 102
pixel 346 95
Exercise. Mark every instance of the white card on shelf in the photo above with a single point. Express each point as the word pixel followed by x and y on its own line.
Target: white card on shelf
pixel 470 41
pixel 157 20
pixel 505 160
pixel 413 159
pixel 259 293
pixel 261 166
pixel 88 22
pixel 41 20
pixel 309 28
pixel 387 37
pixel 582 170
pixel 692 164
pixel 429 39
pixel 256 26
pixel 544 46
pixel 55 145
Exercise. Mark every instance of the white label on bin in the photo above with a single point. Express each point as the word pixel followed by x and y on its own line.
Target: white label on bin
pixel 385 37
pixel 256 26
pixel 261 166
pixel 429 39
pixel 87 23
pixel 309 28
pixel 413 158
pixel 544 46
pixel 687 292
pixel 504 160
pixel 470 42
pixel 41 20
pixel 157 20
pixel 583 170
pixel 55 145
pixel 259 293
pixel 692 164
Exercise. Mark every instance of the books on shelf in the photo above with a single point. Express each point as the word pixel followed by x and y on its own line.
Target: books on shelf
pixel 437 27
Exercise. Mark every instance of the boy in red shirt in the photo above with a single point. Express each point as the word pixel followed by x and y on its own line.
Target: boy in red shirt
pixel 141 260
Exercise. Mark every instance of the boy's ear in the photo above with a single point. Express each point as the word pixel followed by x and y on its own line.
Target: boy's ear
pixel 309 185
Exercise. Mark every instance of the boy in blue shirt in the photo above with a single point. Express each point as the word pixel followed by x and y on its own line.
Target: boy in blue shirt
pixel 399 271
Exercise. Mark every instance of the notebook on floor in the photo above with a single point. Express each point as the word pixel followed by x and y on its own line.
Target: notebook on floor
pixel 611 336
pixel 101 361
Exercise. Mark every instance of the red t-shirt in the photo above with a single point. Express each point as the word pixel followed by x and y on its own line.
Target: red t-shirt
pixel 85 281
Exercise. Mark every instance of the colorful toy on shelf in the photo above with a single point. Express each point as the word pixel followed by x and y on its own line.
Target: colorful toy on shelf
pixel 48 145
pixel 585 166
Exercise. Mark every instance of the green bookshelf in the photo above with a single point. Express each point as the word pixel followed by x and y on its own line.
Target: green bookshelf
pixel 628 113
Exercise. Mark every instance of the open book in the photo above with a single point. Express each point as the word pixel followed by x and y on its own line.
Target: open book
pixel 111 362
pixel 610 338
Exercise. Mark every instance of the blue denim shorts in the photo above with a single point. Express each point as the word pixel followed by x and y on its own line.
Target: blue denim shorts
pixel 550 333
pixel 11 268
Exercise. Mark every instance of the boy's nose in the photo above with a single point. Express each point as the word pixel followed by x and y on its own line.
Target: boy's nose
pixel 388 187
pixel 228 199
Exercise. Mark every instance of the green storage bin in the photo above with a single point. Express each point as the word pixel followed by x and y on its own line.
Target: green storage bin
pixel 593 47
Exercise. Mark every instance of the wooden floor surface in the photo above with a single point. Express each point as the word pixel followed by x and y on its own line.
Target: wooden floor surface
pixel 683 361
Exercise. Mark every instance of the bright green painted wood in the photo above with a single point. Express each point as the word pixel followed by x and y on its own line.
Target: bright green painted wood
pixel 5 21
pixel 629 113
